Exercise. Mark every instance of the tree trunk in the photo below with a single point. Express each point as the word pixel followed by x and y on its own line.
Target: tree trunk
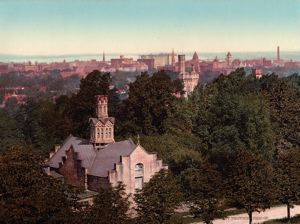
pixel 250 217
pixel 288 212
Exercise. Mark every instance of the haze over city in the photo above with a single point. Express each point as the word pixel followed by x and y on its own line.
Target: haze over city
pixel 150 111
pixel 76 27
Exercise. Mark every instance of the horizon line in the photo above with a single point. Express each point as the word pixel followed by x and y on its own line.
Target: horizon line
pixel 141 53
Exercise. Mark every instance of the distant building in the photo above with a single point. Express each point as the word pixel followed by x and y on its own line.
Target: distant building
pixel 148 61
pixel 100 161
pixel 278 61
pixel 257 73
pixel 228 59
pixel 190 79
pixel 160 60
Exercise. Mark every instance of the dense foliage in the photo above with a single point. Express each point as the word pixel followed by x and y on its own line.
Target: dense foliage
pixel 157 201
pixel 29 195
pixel 250 183
pixel 222 145
pixel 111 205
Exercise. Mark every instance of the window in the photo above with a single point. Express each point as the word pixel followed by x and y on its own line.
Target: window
pixel 139 176
pixel 139 181
pixel 109 132
pixel 139 169
pixel 102 133
pixel 98 133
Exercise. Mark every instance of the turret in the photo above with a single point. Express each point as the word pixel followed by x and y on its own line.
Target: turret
pixel 181 64
pixel 102 127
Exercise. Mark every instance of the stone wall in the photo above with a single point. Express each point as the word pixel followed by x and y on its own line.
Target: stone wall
pixel 94 183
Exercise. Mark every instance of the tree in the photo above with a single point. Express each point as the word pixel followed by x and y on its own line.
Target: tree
pixel 250 183
pixel 10 134
pixel 287 178
pixel 203 188
pixel 82 104
pixel 232 115
pixel 156 202
pixel 150 104
pixel 29 195
pixel 43 124
pixel 111 205
pixel 284 105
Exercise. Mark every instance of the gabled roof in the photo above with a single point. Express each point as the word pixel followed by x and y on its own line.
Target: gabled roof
pixel 84 149
pixel 102 120
pixel 107 157
pixel 98 162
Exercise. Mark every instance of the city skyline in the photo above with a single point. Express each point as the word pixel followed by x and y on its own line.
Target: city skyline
pixel 90 27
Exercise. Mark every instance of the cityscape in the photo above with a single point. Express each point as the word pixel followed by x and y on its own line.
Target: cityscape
pixel 150 112
pixel 204 69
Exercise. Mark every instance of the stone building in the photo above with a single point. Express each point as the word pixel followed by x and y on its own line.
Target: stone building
pixel 190 79
pixel 100 161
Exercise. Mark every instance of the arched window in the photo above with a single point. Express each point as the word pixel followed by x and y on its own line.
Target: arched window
pixel 109 132
pixel 139 176
pixel 98 132
pixel 102 133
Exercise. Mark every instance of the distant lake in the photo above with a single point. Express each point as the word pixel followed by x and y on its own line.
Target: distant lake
pixel 286 55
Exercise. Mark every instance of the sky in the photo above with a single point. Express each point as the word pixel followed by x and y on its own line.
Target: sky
pixel 49 27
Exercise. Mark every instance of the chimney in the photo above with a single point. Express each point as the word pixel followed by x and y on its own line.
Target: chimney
pixel 102 108
pixel 181 63
pixel 278 53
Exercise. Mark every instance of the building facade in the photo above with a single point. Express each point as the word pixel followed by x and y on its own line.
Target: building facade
pixel 190 79
pixel 100 161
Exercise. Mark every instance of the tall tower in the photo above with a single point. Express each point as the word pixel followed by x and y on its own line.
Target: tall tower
pixel 228 59
pixel 102 127
pixel 103 57
pixel 181 64
pixel 278 53
pixel 173 58
pixel 190 79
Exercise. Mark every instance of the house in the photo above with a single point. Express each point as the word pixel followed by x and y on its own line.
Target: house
pixel 100 160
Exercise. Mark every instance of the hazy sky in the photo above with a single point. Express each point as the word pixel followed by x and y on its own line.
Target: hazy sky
pixel 137 26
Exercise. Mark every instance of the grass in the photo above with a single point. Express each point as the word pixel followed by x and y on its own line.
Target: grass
pixel 295 220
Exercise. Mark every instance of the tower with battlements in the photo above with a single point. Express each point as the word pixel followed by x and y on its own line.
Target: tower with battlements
pixel 102 127
pixel 190 79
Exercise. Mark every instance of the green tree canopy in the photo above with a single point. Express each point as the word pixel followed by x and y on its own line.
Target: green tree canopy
pixel 29 195
pixel 287 178
pixel 284 105
pixel 150 104
pixel 251 183
pixel 111 205
pixel 10 133
pixel 156 202
pixel 203 187
pixel 230 116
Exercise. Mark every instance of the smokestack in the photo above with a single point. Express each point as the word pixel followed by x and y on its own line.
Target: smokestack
pixel 278 53
pixel 181 63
